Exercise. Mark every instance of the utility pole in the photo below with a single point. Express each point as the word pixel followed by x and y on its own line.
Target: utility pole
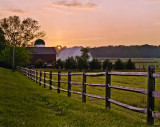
pixel 13 55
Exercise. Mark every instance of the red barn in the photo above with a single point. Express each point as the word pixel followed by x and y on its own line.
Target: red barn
pixel 40 52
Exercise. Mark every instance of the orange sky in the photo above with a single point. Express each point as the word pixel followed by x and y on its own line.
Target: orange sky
pixel 91 22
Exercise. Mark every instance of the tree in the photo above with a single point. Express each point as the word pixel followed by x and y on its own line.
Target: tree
pixel 22 56
pixel 85 52
pixel 19 32
pixel 2 40
pixel 39 64
pixel 119 64
pixel 70 63
pixel 130 64
pixel 108 64
pixel 59 64
pixel 95 64
pixel 82 62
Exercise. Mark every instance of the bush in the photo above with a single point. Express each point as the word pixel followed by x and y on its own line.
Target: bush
pixel 39 64
pixel 130 64
pixel 70 63
pixel 22 56
pixel 108 64
pixel 119 64
pixel 82 62
pixel 59 64
pixel 95 64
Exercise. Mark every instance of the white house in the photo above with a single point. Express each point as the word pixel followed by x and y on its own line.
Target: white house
pixel 72 52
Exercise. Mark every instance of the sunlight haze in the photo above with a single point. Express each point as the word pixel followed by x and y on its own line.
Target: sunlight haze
pixel 91 22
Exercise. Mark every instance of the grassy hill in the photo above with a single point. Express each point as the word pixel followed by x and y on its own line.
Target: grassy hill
pixel 24 103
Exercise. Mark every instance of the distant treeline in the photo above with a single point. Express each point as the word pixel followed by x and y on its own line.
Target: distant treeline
pixel 143 51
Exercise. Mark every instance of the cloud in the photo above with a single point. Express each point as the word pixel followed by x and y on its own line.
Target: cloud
pixel 17 11
pixel 74 4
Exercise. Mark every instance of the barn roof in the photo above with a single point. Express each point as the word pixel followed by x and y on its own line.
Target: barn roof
pixel 71 52
pixel 42 50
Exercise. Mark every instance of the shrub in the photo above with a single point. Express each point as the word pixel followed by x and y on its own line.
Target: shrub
pixel 70 63
pixel 59 64
pixel 82 62
pixel 39 64
pixel 130 64
pixel 119 64
pixel 95 64
pixel 108 64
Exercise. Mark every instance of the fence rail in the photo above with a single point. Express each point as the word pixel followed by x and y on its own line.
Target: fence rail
pixel 150 91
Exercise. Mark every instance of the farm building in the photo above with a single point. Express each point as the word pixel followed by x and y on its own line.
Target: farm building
pixel 40 52
pixel 72 52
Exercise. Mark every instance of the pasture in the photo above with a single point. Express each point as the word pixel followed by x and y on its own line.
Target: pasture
pixel 25 103
pixel 133 99
pixel 139 62
pixel 130 98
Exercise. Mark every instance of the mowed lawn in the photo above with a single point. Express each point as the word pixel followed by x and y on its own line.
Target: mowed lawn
pixel 24 103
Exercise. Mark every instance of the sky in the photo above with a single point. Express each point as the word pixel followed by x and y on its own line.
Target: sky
pixel 91 23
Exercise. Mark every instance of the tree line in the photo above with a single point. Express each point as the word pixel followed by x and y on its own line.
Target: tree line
pixel 72 63
pixel 121 51
pixel 81 62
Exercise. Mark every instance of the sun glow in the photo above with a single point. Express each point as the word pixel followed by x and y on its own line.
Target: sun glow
pixel 59 47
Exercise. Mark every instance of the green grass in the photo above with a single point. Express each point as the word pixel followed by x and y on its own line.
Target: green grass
pixel 139 62
pixel 24 103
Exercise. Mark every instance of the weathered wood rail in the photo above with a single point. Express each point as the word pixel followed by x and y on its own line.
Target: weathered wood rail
pixel 150 91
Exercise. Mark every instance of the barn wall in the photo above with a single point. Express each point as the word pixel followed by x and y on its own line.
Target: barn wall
pixel 48 58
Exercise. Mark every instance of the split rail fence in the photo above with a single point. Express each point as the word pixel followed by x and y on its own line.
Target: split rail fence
pixel 150 91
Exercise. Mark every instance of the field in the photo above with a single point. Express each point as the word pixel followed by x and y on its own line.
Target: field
pixel 141 63
pixel 25 103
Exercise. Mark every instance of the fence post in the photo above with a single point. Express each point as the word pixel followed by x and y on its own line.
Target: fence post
pixel 44 79
pixel 25 72
pixel 31 74
pixel 28 73
pixel 150 99
pixel 69 83
pixel 22 71
pixel 84 87
pixel 50 83
pixel 40 79
pixel 108 90
pixel 36 76
pixel 59 83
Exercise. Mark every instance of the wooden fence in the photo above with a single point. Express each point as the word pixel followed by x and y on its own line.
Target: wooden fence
pixel 150 92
